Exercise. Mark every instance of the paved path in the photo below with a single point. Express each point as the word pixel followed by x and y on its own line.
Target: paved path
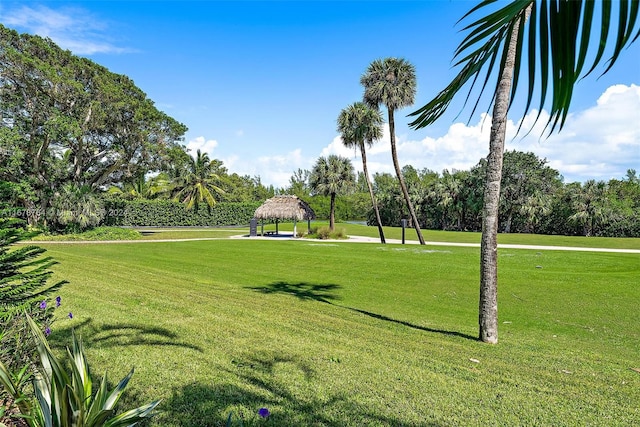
pixel 501 246
pixel 352 239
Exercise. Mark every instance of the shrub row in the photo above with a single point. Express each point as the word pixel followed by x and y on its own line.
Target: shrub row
pixel 169 213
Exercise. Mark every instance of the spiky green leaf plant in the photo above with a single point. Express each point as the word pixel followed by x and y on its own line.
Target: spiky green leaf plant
pixel 65 397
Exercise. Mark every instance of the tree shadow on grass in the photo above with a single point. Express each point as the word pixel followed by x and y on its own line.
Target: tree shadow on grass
pixel 304 291
pixel 324 293
pixel 126 334
pixel 259 385
pixel 411 325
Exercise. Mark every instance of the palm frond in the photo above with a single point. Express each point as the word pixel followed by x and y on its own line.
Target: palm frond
pixel 553 52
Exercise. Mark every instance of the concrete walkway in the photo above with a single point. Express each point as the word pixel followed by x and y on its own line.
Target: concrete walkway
pixel 500 246
pixel 365 239
pixel 351 239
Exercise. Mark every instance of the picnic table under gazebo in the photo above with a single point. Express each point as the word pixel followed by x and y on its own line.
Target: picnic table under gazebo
pixel 285 207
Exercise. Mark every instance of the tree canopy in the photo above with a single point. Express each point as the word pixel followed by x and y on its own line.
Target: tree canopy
pixel 67 120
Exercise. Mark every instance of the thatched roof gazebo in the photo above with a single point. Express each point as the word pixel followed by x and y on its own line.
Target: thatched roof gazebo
pixel 285 207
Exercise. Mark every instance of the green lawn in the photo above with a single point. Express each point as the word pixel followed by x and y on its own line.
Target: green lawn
pixel 343 334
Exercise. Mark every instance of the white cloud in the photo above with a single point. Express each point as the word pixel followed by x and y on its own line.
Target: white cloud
pixel 71 28
pixel 202 144
pixel 601 142
pixel 273 170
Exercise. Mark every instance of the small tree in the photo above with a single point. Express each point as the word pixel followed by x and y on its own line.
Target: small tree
pixel 77 208
pixel 197 184
pixel 331 176
pixel 23 288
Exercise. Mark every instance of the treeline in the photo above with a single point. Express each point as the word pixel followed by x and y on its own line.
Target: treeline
pixel 533 199
pixel 77 140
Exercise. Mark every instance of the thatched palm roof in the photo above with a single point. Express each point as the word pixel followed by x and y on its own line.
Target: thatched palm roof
pixel 285 207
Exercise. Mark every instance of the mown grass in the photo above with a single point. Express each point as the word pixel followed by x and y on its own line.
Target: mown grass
pixel 343 334
pixel 152 233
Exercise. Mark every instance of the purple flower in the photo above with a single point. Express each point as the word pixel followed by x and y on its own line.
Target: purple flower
pixel 264 412
pixel 70 315
pixel 58 299
pixel 43 304
pixel 47 331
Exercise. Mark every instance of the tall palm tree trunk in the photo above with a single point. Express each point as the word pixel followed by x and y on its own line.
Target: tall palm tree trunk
pixel 403 186
pixel 332 213
pixel 373 197
pixel 488 312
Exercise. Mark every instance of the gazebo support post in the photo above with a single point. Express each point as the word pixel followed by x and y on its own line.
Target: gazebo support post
pixel 308 226
pixel 277 227
pixel 262 228
pixel 295 233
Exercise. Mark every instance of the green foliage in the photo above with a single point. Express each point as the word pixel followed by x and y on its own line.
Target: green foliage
pixel 350 207
pixel 24 273
pixel 391 82
pixel 169 213
pixel 66 397
pixel 197 185
pixel 332 176
pixel 533 199
pixel 77 208
pixel 325 233
pixel 95 234
pixel 73 122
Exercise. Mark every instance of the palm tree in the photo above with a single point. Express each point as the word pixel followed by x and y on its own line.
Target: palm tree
pixel 448 191
pixel 589 204
pixel 534 208
pixel 145 188
pixel 359 126
pixel 392 82
pixel 78 207
pixel 331 176
pixel 557 40
pixel 197 184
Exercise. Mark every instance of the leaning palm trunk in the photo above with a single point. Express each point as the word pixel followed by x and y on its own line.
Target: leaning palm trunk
pixel 488 313
pixel 403 186
pixel 373 197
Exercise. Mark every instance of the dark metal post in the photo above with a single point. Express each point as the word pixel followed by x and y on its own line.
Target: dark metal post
pixel 404 225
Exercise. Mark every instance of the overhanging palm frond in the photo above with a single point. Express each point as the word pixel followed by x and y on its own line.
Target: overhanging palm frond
pixel 558 36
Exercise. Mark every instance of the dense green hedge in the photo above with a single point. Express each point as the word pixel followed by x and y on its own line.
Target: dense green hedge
pixel 348 208
pixel 168 213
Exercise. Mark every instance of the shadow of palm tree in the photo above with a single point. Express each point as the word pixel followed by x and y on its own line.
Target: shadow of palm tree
pixel 411 325
pixel 304 291
pixel 324 293
pixel 258 385
pixel 127 334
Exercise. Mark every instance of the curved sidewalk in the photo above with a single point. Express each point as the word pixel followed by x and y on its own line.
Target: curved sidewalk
pixel 351 239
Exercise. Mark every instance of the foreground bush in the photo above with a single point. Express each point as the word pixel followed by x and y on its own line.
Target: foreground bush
pixel 24 273
pixel 325 233
pixel 65 397
pixel 96 234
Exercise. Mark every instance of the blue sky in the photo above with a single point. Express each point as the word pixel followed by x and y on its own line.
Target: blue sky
pixel 260 83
